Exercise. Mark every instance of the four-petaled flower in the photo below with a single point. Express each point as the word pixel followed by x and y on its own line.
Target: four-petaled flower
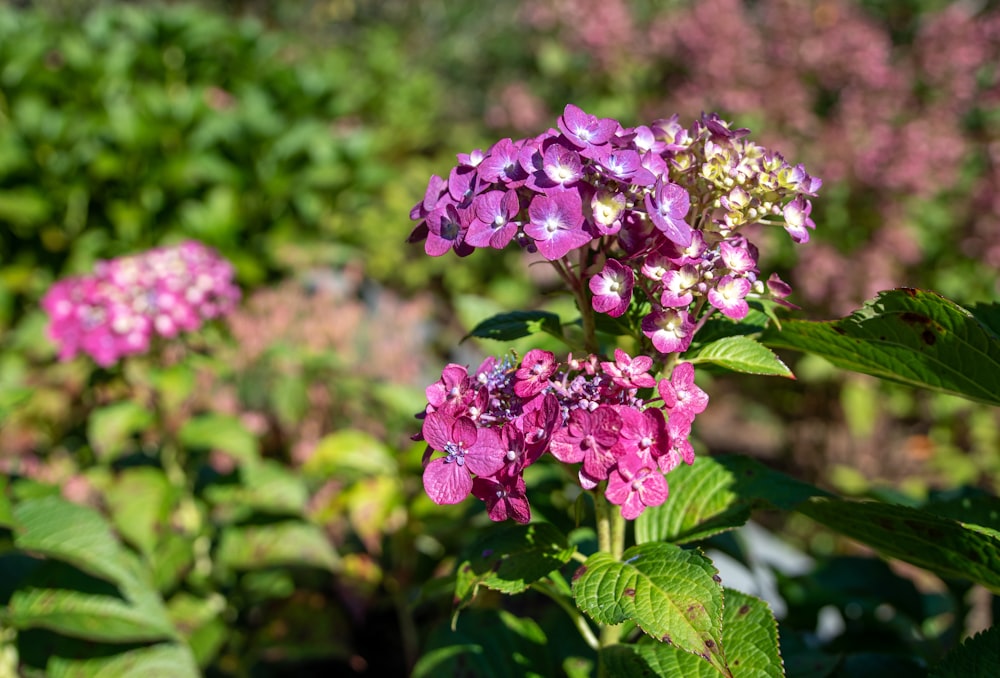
pixel 667 206
pixel 468 450
pixel 612 289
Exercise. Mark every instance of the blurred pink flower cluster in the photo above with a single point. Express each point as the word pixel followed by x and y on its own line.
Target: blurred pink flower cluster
pixel 126 302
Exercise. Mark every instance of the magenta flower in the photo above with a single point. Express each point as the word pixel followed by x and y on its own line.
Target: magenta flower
pixel 644 434
pixel 495 223
pixel 625 166
pixel 502 165
pixel 682 398
pixel 589 437
pixel 556 223
pixel 671 330
pixel 607 209
pixel 729 296
pixel 678 286
pixel 628 372
pixel 612 288
pixel 469 450
pixel 533 375
pixel 585 130
pixel 667 205
pixel 505 497
pixel 739 256
pixel 446 227
pixel 634 485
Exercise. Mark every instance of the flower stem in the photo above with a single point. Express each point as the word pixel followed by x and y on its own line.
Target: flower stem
pixel 611 540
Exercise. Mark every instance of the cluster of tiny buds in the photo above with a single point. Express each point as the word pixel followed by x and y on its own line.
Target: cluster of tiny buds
pixel 126 302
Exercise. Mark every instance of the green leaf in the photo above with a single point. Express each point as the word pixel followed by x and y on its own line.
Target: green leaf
pixel 266 487
pixel 274 545
pixel 977 657
pixel 140 501
pixel 509 558
pixel 487 644
pixel 701 503
pixel 749 634
pixel 517 324
pixel 201 623
pixel 350 454
pixel 220 432
pixel 63 598
pixel 670 593
pixel 110 428
pixel 161 659
pixel 740 354
pixel 910 336
pixel 933 542
pixel 716 494
pixel 51 526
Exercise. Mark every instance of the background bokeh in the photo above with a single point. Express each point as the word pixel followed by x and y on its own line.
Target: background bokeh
pixel 294 137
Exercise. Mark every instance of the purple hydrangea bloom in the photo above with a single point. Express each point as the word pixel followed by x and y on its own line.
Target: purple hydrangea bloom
pixel 556 223
pixel 671 330
pixel 636 484
pixel 667 206
pixel 729 296
pixel 612 289
pixel 495 224
pixel 585 130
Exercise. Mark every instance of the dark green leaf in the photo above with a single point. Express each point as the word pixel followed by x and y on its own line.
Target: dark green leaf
pixel 977 657
pixel 939 544
pixel 517 324
pixel 509 558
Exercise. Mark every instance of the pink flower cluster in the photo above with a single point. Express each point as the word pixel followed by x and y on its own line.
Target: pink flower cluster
pixel 495 422
pixel 118 309
pixel 662 205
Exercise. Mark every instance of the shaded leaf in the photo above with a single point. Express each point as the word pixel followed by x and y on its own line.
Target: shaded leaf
pixel 509 558
pixel 670 593
pixel 220 432
pixel 350 454
pixel 934 542
pixel 140 501
pixel 487 644
pixel 977 657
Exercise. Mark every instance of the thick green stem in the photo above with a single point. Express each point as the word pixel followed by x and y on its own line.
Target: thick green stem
pixel 611 540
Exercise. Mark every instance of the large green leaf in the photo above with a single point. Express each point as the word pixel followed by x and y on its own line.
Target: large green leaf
pixel 702 502
pixel 740 354
pixel 509 558
pixel 517 324
pixel 670 593
pixel 51 526
pixel 940 544
pixel 350 454
pixel 910 336
pixel 749 636
pixel 60 597
pixel 716 494
pixel 140 501
pixel 163 659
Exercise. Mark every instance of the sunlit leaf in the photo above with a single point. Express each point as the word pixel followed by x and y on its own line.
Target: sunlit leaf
pixel 670 593
pixel 910 336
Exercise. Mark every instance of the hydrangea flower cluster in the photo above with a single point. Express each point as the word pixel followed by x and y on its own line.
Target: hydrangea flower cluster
pixel 495 422
pixel 126 302
pixel 662 206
